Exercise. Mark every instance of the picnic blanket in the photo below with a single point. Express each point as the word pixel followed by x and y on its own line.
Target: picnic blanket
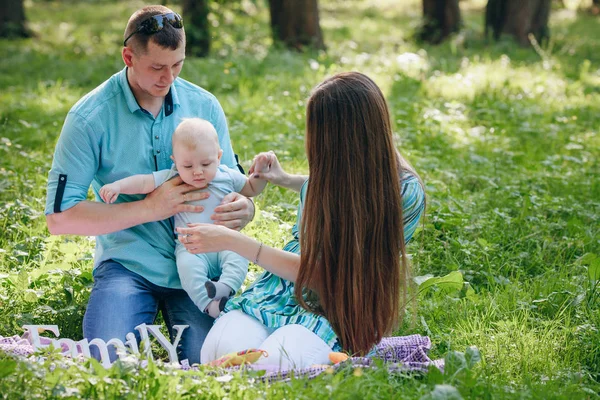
pixel 398 354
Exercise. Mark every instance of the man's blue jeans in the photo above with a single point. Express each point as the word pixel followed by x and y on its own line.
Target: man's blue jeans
pixel 121 300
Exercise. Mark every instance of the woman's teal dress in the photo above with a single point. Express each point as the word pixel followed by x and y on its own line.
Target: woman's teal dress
pixel 271 299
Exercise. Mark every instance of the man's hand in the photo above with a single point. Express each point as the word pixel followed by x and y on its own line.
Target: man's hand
pixel 234 212
pixel 170 198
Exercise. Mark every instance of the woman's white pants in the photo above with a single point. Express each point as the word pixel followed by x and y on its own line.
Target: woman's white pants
pixel 291 346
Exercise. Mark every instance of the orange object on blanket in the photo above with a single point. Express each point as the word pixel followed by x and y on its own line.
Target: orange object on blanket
pixel 336 357
pixel 241 357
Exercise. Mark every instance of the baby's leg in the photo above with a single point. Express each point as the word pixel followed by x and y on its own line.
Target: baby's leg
pixel 193 272
pixel 233 270
pixel 215 307
pixel 217 290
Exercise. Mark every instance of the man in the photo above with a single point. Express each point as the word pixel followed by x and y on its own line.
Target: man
pixel 121 128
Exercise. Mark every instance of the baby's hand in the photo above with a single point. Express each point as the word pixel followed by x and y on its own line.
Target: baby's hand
pixel 261 164
pixel 110 192
pixel 266 166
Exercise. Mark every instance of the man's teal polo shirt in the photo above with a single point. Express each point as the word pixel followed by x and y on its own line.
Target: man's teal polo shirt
pixel 106 137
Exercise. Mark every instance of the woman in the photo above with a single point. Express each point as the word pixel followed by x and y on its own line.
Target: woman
pixel 347 288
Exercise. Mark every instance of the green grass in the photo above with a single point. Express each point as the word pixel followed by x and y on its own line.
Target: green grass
pixel 505 138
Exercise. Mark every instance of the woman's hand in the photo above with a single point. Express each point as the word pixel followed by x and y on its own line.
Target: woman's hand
pixel 266 166
pixel 209 238
pixel 234 212
pixel 205 238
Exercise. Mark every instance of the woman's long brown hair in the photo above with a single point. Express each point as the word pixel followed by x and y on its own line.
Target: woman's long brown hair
pixel 352 238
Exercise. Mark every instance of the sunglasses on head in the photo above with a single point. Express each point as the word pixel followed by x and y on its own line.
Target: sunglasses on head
pixel 156 24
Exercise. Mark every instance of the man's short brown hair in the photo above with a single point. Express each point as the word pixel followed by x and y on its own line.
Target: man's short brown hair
pixel 168 37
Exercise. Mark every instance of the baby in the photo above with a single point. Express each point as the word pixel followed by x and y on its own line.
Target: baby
pixel 196 157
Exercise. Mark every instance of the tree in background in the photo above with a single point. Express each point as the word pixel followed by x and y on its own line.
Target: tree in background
pixel 12 19
pixel 595 10
pixel 197 30
pixel 518 18
pixel 296 23
pixel 441 18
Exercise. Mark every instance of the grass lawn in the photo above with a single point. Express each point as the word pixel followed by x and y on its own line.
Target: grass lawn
pixel 505 138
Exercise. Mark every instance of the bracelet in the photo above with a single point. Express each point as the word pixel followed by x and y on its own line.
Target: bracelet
pixel 258 254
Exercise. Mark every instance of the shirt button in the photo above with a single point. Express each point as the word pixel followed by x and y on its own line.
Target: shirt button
pixel 157 151
pixel 156 137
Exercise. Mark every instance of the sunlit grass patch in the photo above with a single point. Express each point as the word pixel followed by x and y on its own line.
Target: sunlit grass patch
pixel 519 348
pixel 476 77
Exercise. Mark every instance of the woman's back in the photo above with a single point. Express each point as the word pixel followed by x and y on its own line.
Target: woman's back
pixel 353 258
pixel 271 299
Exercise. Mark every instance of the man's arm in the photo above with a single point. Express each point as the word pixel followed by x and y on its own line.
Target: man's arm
pixel 92 218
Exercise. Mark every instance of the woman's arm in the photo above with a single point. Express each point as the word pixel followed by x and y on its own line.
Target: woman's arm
pixel 266 166
pixel 207 238
pixel 293 182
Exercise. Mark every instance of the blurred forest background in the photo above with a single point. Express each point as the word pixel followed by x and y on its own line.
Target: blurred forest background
pixel 495 103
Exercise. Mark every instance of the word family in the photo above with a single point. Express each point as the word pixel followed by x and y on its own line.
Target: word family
pixel 82 347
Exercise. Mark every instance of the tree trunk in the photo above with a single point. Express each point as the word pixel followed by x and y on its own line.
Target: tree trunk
pixel 12 19
pixel 440 19
pixel 296 23
pixel 595 10
pixel 197 30
pixel 518 18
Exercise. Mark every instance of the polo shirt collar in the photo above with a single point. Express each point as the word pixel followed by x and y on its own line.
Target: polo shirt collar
pixel 132 103
pixel 171 99
pixel 173 94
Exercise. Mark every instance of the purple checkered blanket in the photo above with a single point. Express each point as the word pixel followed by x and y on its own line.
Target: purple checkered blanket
pixel 399 353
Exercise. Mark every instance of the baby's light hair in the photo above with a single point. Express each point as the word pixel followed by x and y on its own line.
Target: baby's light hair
pixel 194 132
